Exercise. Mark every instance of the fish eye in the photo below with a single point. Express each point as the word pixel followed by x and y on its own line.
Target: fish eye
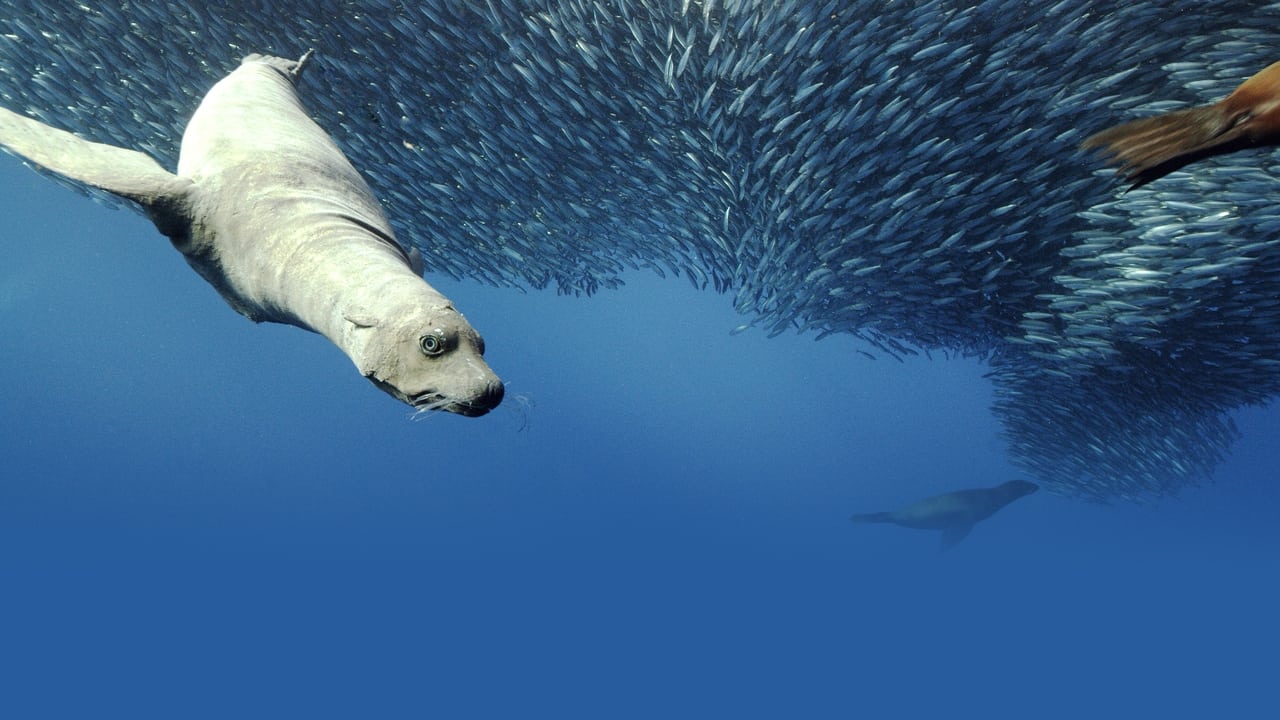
pixel 432 343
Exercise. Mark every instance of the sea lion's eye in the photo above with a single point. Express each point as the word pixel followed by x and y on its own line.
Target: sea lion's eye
pixel 431 344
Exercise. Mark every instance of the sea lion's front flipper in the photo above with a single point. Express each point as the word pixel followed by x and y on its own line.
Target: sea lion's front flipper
pixel 953 535
pixel 415 261
pixel 127 173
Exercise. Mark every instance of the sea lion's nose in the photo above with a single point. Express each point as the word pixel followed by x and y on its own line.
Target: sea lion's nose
pixel 491 396
pixel 481 402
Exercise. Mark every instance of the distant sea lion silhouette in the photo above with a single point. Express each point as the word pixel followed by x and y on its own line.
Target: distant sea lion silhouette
pixel 270 212
pixel 1153 147
pixel 954 513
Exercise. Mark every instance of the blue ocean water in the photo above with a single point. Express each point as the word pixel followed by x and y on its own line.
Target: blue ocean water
pixel 200 517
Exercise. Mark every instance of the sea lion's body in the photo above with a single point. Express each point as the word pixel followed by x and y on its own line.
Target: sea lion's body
pixel 954 513
pixel 270 212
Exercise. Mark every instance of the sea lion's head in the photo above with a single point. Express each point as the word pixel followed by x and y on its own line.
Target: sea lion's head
pixel 431 358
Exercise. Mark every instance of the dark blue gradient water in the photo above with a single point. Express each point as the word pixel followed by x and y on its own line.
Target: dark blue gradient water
pixel 200 517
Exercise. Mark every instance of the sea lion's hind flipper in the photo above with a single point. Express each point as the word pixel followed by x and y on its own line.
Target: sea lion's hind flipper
pixel 127 173
pixel 953 535
pixel 1150 148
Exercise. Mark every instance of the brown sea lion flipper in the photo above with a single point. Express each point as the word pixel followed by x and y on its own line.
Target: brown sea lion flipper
pixel 1151 148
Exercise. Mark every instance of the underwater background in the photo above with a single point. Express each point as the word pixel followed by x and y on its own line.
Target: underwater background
pixel 200 517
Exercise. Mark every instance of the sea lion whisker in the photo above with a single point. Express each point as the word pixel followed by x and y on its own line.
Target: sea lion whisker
pixel 427 404
pixel 521 406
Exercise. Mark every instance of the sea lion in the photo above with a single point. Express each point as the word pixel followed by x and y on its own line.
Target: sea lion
pixel 271 213
pixel 1153 147
pixel 954 513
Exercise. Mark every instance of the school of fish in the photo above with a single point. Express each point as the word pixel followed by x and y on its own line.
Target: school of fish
pixel 907 173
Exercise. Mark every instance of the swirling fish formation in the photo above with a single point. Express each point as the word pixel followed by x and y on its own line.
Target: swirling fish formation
pixel 907 173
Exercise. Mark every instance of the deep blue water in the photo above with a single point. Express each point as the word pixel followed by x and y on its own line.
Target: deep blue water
pixel 200 517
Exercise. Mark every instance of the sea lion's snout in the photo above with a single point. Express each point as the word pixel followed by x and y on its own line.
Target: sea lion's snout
pixel 484 401
pixel 472 397
pixel 468 398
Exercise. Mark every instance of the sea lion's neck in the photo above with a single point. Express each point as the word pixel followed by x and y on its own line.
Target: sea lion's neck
pixel 369 287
